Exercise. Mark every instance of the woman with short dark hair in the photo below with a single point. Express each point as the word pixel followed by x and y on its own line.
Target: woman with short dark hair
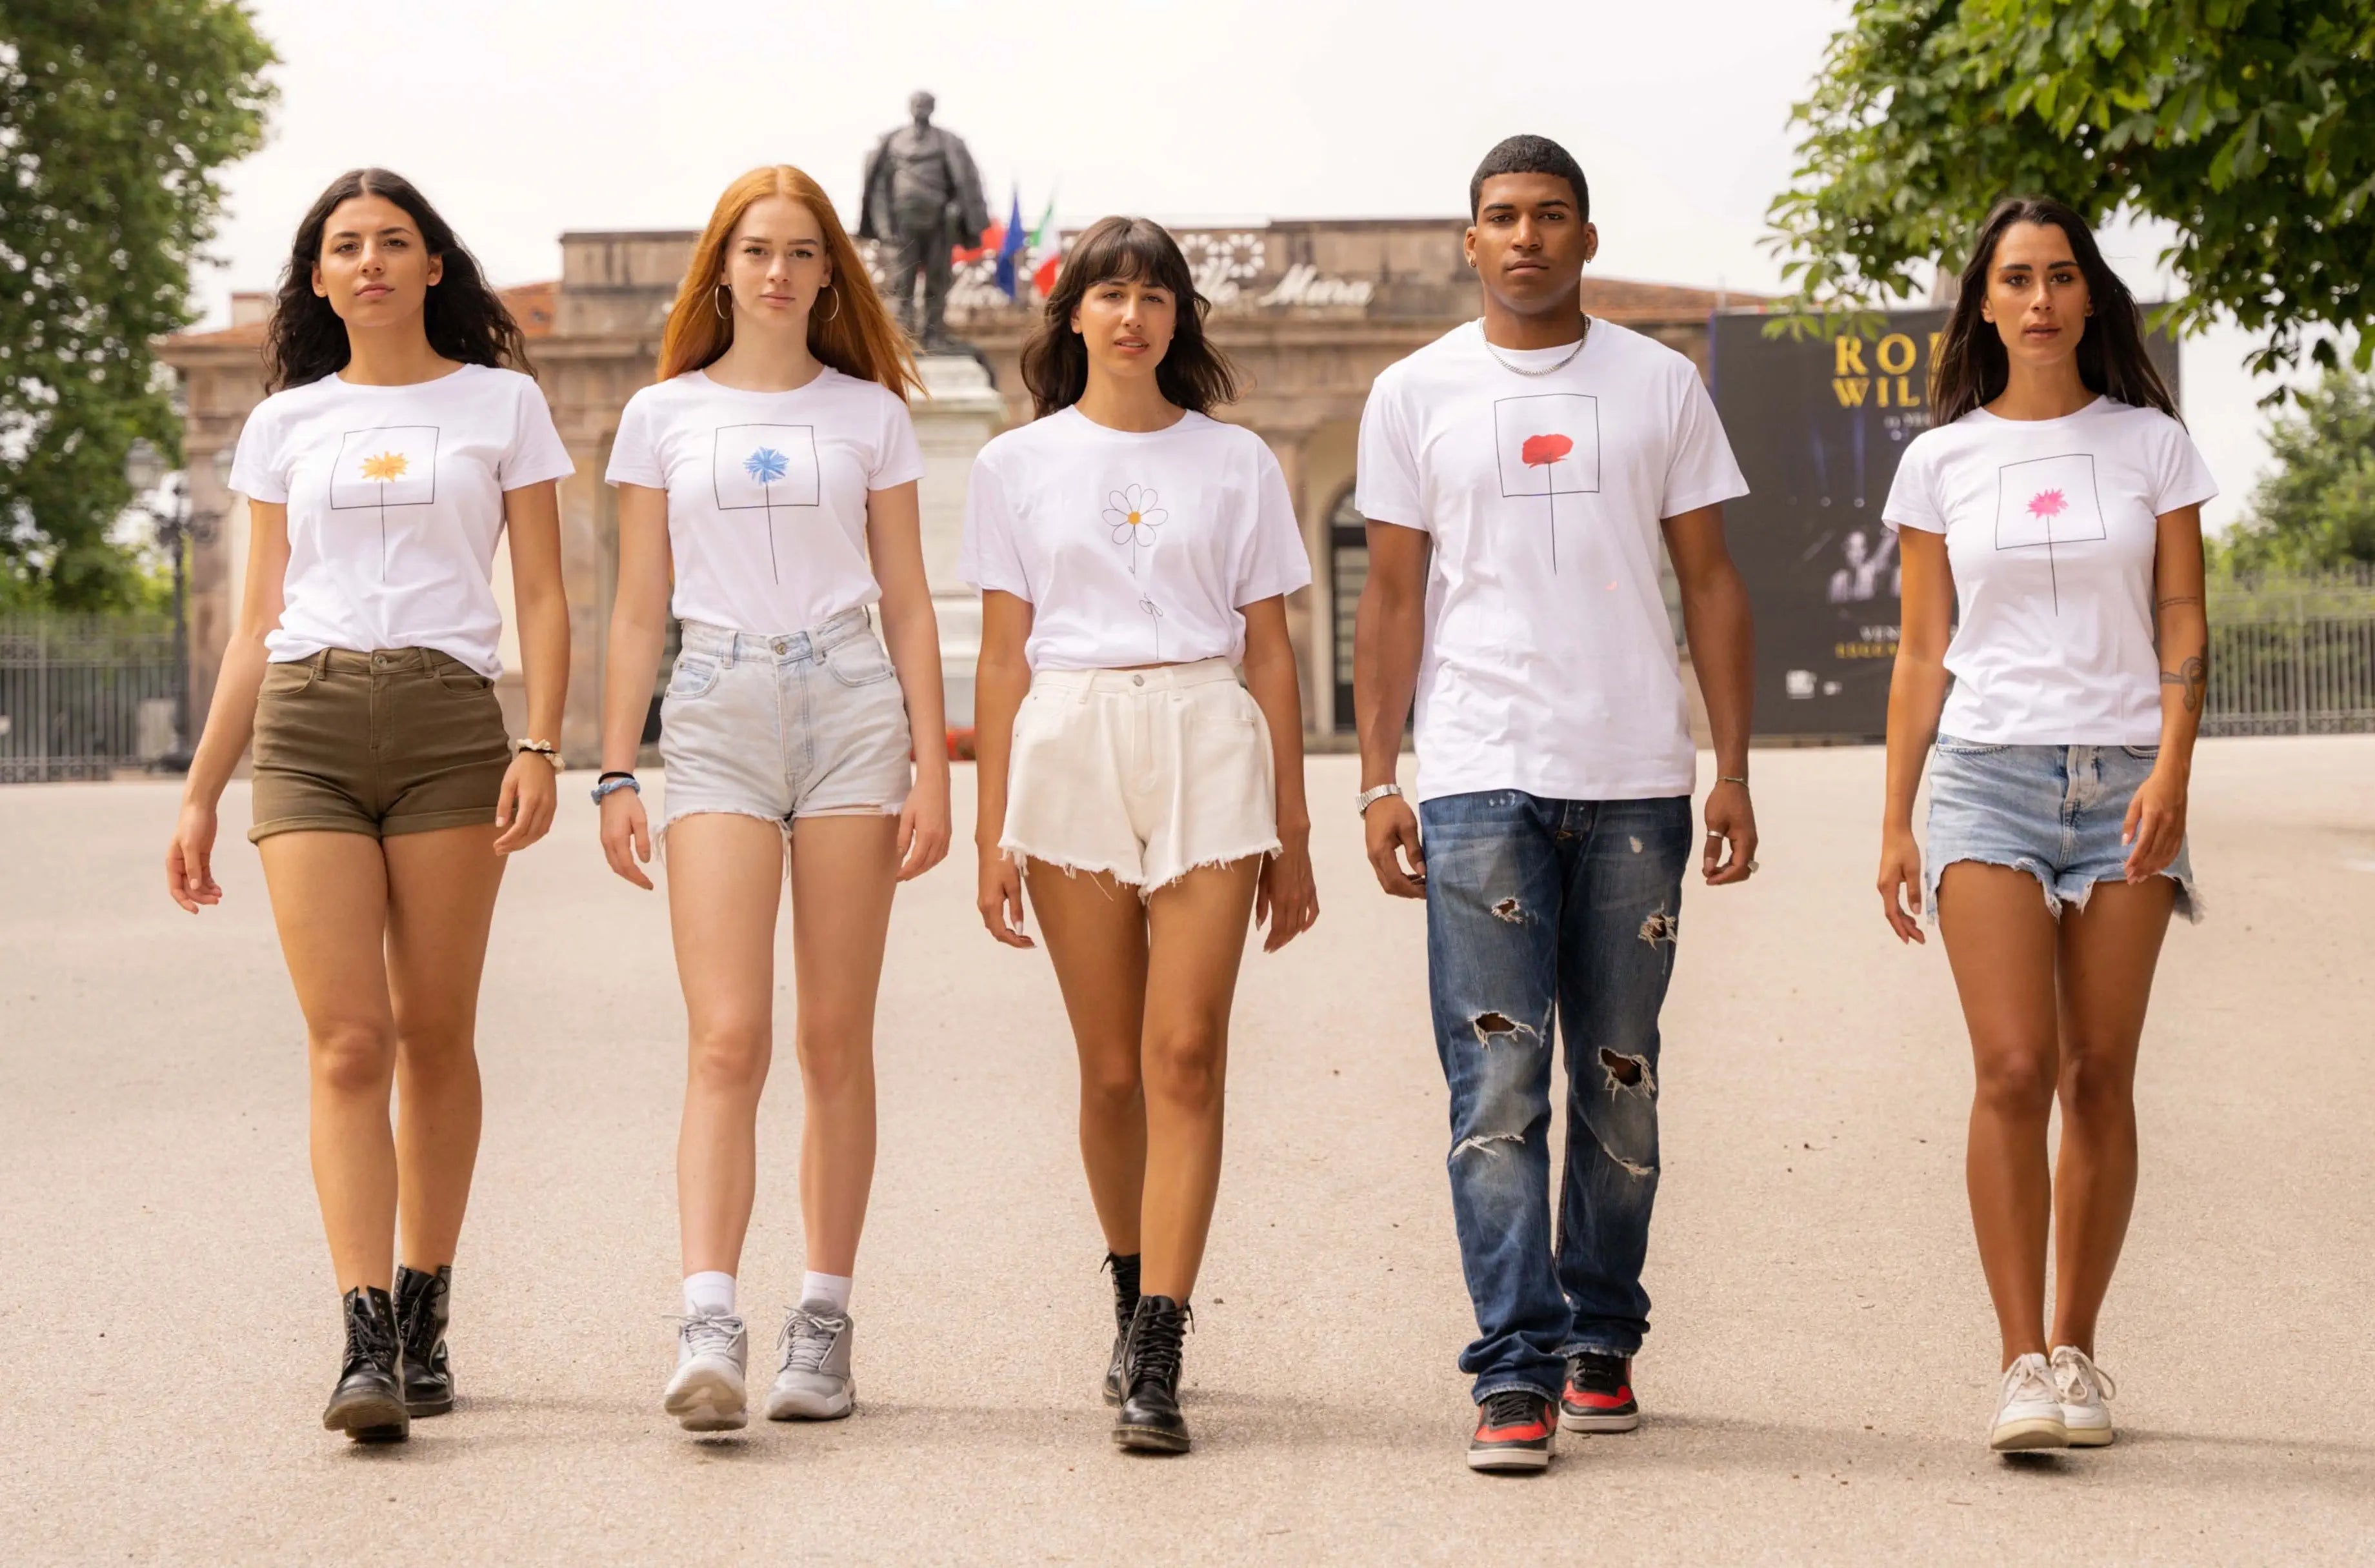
pixel 2054 510
pixel 1131 552
pixel 400 445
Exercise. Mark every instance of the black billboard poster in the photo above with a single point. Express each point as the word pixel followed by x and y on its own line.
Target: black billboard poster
pixel 1818 424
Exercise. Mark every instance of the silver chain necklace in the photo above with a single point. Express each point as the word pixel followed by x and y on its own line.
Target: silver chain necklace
pixel 1546 370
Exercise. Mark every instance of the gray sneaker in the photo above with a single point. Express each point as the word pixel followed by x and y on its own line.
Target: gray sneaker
pixel 706 1394
pixel 815 1385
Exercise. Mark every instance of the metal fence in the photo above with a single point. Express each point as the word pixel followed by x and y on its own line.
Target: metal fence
pixel 2293 655
pixel 82 696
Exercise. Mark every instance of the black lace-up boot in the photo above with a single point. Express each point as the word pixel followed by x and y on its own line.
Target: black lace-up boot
pixel 1150 1419
pixel 423 1304
pixel 368 1404
pixel 1124 1282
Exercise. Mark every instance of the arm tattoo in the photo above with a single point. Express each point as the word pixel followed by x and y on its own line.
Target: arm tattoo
pixel 2193 674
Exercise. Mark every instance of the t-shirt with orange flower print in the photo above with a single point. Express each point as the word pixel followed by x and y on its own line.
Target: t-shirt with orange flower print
pixel 1132 546
pixel 396 505
pixel 2051 531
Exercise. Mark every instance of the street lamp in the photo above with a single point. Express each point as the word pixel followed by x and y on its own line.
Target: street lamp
pixel 178 522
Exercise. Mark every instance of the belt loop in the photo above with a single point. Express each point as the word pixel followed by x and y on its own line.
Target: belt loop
pixel 321 662
pixel 733 646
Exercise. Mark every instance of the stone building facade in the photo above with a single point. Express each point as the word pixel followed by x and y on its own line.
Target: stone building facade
pixel 1309 310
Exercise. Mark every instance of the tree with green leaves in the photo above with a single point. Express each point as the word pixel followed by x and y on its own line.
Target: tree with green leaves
pixel 2315 510
pixel 115 121
pixel 2244 122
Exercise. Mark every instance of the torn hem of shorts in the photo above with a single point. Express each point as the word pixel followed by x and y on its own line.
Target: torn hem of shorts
pixel 1131 877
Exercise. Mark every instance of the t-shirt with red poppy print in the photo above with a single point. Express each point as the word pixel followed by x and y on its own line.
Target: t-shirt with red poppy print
pixel 2053 530
pixel 1132 546
pixel 1550 663
pixel 396 506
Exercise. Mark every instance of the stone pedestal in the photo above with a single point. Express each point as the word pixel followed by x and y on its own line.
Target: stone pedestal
pixel 954 420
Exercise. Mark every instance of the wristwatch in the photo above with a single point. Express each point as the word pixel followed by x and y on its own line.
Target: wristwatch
pixel 1371 796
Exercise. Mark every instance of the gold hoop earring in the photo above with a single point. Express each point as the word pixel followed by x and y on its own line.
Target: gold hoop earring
pixel 836 301
pixel 715 303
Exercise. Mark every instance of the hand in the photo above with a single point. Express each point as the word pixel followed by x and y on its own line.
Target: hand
pixel 2154 830
pixel 924 824
pixel 1391 828
pixel 189 859
pixel 523 809
pixel 627 836
pixel 1287 899
pixel 1001 900
pixel 1732 822
pixel 1900 883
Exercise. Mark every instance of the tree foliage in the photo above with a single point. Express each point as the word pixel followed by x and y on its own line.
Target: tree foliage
pixel 2244 122
pixel 2315 510
pixel 115 116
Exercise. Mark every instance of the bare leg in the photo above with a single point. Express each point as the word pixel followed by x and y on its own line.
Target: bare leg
pixel 2109 952
pixel 1999 941
pixel 725 880
pixel 1096 937
pixel 440 892
pixel 845 869
pixel 1196 939
pixel 329 899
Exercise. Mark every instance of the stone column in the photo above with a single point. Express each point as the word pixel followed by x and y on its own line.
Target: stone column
pixel 954 420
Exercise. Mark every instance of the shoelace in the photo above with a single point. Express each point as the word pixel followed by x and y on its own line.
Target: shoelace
pixel 2028 1379
pixel 808 1338
pixel 1156 1351
pixel 707 1334
pixel 1600 1372
pixel 2081 1381
pixel 1511 1407
pixel 370 1336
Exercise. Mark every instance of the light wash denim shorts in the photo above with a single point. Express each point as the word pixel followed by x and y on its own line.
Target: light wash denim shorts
pixel 2052 811
pixel 811 723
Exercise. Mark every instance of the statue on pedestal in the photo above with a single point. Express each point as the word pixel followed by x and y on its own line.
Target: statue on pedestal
pixel 924 195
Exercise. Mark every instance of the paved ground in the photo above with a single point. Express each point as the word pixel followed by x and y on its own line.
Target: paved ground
pixel 1817 1380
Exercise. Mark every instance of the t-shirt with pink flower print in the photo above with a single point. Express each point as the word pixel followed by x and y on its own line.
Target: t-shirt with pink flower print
pixel 1133 548
pixel 2051 533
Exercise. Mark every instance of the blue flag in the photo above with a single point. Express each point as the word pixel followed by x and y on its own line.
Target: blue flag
pixel 1011 247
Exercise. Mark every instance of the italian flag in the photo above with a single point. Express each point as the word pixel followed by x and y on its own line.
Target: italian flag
pixel 1042 238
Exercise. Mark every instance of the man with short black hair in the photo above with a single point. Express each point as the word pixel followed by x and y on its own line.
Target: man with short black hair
pixel 1517 475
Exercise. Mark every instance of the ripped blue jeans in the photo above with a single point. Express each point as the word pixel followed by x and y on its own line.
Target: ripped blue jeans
pixel 1536 906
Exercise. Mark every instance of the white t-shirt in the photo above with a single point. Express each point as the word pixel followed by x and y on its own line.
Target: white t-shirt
pixel 1549 663
pixel 1133 548
pixel 395 502
pixel 2051 533
pixel 766 492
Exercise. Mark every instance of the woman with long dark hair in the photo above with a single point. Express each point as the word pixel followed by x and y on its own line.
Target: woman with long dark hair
pixel 1133 553
pixel 787 732
pixel 2054 510
pixel 401 444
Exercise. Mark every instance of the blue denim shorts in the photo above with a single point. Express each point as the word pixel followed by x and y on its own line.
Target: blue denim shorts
pixel 2052 811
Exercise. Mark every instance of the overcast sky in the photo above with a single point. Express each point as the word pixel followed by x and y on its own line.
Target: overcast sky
pixel 521 121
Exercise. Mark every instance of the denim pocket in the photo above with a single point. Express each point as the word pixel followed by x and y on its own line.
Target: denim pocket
pixel 692 678
pixel 2143 753
pixel 859 662
pixel 1948 746
pixel 463 681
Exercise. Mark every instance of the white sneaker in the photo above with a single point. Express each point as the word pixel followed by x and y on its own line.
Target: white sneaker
pixel 2029 1413
pixel 706 1394
pixel 2084 1388
pixel 815 1385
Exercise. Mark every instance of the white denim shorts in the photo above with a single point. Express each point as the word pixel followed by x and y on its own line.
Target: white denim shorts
pixel 811 723
pixel 1142 774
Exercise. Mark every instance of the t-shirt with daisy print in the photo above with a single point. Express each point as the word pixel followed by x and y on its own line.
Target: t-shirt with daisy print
pixel 1133 548
pixel 2052 532
pixel 396 505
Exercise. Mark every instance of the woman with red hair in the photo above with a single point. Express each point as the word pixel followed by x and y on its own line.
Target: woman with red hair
pixel 767 495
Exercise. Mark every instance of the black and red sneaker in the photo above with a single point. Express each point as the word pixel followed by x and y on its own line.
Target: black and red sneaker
pixel 1513 1432
pixel 1599 1395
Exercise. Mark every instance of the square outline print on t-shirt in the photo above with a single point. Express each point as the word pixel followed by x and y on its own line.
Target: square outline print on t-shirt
pixel 760 465
pixel 1533 438
pixel 393 474
pixel 1136 516
pixel 2062 506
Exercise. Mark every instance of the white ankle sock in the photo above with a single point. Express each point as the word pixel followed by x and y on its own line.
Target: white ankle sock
pixel 709 1293
pixel 833 1290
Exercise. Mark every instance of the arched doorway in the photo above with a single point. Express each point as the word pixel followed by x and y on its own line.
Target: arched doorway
pixel 1348 571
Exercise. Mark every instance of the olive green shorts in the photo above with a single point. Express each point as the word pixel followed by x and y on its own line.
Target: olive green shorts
pixel 406 740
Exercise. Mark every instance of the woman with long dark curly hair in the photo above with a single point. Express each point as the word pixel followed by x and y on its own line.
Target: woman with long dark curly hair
pixel 1133 553
pixel 400 441
pixel 2054 510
